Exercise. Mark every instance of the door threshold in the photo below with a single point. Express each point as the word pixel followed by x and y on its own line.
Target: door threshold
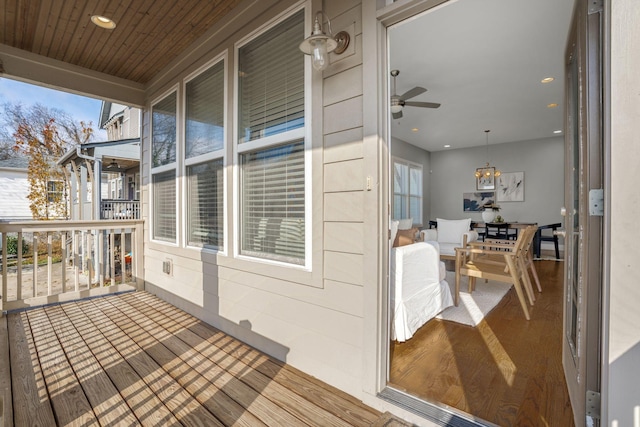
pixel 439 413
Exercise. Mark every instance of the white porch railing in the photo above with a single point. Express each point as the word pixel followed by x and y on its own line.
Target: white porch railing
pixel 45 262
pixel 119 209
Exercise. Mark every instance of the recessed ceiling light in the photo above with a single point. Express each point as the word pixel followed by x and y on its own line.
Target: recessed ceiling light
pixel 415 130
pixel 103 22
pixel 552 105
pixel 547 80
pixel 447 146
pixel 557 131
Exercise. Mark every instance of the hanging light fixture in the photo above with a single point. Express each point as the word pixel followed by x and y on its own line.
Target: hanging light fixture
pixel 319 44
pixel 487 171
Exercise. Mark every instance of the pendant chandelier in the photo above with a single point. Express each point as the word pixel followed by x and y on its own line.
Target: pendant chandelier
pixel 488 171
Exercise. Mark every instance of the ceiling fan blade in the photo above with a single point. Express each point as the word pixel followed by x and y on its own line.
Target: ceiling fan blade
pixel 413 92
pixel 422 104
pixel 397 115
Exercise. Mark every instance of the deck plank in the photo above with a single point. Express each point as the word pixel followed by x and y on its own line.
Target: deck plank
pixel 185 408
pixel 34 407
pixel 67 397
pixel 222 348
pixel 148 408
pixel 107 403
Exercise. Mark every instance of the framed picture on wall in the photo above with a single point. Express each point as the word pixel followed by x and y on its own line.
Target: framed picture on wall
pixel 485 181
pixel 510 187
pixel 473 202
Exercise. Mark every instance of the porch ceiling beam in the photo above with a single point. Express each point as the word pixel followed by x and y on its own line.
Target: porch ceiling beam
pixel 38 69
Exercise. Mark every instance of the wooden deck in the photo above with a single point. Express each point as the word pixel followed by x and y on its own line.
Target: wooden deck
pixel 132 359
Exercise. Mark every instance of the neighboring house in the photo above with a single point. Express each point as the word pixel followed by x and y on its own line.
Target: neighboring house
pixel 14 188
pixel 109 169
pixel 265 190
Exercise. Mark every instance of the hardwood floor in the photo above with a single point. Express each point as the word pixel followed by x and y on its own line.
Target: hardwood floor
pixel 507 371
pixel 132 359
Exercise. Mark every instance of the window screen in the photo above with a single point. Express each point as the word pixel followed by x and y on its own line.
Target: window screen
pixel 205 204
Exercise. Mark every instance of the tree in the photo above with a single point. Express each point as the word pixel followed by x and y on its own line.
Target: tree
pixel 44 134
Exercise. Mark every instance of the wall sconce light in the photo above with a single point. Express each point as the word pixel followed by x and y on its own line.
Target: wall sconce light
pixel 319 44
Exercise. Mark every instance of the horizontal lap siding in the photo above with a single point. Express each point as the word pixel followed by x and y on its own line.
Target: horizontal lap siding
pixel 316 327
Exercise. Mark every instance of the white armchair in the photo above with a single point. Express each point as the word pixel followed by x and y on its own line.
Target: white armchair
pixel 419 290
pixel 451 234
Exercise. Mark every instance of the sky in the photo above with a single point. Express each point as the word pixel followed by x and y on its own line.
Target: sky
pixel 81 108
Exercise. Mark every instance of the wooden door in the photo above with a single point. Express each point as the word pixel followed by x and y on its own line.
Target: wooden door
pixel 583 211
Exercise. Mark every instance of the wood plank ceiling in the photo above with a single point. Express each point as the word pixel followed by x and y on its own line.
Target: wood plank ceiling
pixel 149 34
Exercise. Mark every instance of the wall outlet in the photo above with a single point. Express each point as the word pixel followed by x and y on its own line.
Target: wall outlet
pixel 167 267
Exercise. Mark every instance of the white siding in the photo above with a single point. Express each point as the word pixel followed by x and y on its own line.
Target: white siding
pixel 14 188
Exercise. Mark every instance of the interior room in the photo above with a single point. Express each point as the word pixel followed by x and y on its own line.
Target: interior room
pixel 494 98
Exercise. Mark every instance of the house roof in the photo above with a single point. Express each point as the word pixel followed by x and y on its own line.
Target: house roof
pixel 72 153
pixel 19 162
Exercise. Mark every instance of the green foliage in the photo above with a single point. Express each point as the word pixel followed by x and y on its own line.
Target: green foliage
pixel 12 246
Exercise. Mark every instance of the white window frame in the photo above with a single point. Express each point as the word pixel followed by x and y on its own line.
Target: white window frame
pixel 304 133
pixel 203 158
pixel 165 168
pixel 410 165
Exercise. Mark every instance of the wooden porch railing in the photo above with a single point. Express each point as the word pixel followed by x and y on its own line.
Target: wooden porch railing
pixel 119 209
pixel 45 262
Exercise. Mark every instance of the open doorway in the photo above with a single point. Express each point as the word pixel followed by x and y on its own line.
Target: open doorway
pixel 499 66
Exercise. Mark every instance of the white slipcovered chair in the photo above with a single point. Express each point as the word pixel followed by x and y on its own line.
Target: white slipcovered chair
pixel 419 290
pixel 451 234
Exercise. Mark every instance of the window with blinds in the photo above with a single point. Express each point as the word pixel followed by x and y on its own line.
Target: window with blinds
pixel 407 191
pixel 271 81
pixel 273 203
pixel 205 210
pixel 271 99
pixel 163 131
pixel 164 206
pixel 204 130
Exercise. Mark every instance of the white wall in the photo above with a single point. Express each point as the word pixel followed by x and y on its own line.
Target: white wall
pixel 14 188
pixel 622 316
pixel 542 162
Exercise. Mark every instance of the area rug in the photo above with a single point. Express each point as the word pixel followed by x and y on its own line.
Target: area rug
pixel 473 307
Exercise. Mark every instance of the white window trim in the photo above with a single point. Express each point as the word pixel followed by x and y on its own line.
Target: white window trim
pixel 213 155
pixel 273 140
pixel 164 168
pixel 410 165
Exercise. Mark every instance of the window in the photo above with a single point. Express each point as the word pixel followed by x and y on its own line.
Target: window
pixel 407 191
pixel 163 143
pixel 164 206
pixel 272 183
pixel 204 157
pixel 205 112
pixel 163 163
pixel 55 190
pixel 205 209
pixel 272 169
pixel 271 86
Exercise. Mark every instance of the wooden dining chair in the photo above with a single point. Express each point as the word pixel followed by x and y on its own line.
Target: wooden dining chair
pixel 475 262
pixel 509 245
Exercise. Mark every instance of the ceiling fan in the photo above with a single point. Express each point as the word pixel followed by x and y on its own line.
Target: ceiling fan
pixel 399 101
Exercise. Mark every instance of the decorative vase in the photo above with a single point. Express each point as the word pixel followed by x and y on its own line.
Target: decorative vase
pixel 488 215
